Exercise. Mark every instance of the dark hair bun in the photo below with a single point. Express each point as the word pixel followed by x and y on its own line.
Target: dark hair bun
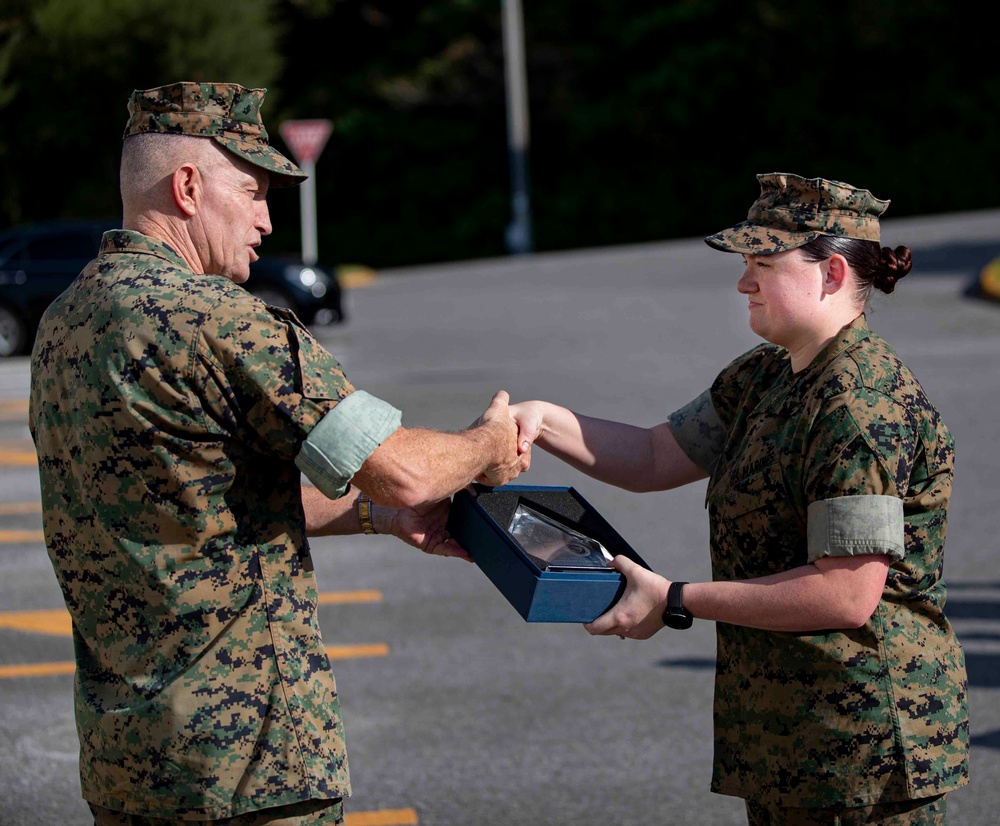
pixel 893 265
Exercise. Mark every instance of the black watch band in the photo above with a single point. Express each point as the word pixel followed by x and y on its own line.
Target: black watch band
pixel 674 615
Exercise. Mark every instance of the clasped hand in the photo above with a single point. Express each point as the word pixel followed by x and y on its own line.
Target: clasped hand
pixel 511 461
pixel 425 528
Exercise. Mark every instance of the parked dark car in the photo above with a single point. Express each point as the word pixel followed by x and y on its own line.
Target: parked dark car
pixel 38 261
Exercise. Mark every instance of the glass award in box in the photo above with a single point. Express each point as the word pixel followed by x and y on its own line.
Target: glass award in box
pixel 553 546
pixel 546 549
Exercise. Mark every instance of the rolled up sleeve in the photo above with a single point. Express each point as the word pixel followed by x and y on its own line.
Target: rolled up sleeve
pixel 343 439
pixel 856 526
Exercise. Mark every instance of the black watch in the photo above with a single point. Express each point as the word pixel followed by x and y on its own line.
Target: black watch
pixel 674 615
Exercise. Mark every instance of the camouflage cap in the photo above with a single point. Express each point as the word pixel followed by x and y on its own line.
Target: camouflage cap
pixel 792 211
pixel 226 112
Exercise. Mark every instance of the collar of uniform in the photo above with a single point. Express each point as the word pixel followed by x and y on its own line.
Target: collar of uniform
pixel 848 336
pixel 130 241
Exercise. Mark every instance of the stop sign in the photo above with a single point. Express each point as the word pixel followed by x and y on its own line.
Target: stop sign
pixel 306 138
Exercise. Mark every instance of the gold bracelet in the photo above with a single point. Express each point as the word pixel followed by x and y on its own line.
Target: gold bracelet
pixel 365 514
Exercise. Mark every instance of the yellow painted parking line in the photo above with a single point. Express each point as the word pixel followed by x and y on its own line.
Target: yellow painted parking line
pixel 382 817
pixel 349 597
pixel 13 409
pixel 15 508
pixel 334 652
pixel 8 672
pixel 22 536
pixel 56 622
pixel 350 652
pixel 14 457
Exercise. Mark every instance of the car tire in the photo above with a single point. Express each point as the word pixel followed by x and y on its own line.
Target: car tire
pixel 13 333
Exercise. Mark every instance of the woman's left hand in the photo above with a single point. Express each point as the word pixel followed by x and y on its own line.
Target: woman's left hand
pixel 639 613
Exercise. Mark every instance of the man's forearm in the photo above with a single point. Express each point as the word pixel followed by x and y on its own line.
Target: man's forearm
pixel 330 517
pixel 416 466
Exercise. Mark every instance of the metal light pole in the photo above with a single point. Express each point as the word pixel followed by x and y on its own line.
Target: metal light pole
pixel 518 235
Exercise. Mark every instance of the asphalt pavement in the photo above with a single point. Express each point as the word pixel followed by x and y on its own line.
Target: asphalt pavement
pixel 458 711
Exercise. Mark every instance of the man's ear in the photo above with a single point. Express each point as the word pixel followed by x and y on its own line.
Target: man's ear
pixel 185 186
pixel 835 273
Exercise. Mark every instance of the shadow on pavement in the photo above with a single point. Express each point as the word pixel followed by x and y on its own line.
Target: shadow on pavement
pixel 966 260
pixel 961 258
pixel 990 740
pixel 983 666
pixel 700 663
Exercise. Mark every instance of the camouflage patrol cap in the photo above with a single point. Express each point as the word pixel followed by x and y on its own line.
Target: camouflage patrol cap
pixel 792 211
pixel 227 113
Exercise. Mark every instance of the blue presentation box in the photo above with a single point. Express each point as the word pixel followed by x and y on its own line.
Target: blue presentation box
pixel 479 522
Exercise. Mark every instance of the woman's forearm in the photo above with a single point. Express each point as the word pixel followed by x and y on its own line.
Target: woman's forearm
pixel 629 457
pixel 834 592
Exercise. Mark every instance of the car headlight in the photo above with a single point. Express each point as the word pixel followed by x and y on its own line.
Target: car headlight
pixel 314 281
pixel 12 277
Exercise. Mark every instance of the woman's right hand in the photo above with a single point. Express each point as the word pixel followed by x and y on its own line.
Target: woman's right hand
pixel 530 418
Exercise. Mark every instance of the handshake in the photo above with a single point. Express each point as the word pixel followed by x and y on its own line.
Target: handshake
pixel 509 444
pixel 516 427
pixel 412 475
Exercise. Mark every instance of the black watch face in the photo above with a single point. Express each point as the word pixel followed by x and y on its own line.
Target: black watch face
pixel 677 620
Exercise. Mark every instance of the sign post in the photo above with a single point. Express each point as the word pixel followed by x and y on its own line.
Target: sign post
pixel 306 139
pixel 519 240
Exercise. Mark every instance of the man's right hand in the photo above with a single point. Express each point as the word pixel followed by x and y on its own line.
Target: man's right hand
pixel 508 463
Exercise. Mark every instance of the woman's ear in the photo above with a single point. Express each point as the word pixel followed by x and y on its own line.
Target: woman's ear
pixel 835 274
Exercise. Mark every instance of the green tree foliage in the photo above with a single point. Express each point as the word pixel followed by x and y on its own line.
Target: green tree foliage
pixel 649 119
pixel 416 167
pixel 73 63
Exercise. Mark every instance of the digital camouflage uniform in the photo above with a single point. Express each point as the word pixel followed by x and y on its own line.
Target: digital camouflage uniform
pixel 172 413
pixel 168 411
pixel 226 113
pixel 820 463
pixel 845 457
pixel 792 210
